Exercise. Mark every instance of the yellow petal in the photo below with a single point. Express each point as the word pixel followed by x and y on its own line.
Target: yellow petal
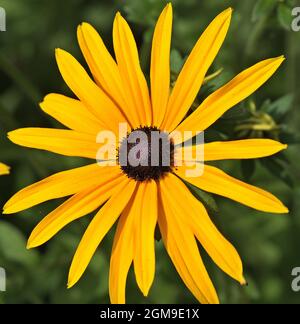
pixel 218 182
pixel 241 149
pixel 75 207
pixel 88 92
pixel 134 82
pixel 194 70
pixel 98 228
pixel 183 250
pixel 60 141
pixel 4 169
pixel 160 65
pixel 219 249
pixel 122 255
pixel 145 223
pixel 71 113
pixel 60 185
pixel 239 88
pixel 104 69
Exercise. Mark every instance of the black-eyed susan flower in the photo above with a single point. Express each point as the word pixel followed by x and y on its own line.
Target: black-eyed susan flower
pixel 4 169
pixel 138 197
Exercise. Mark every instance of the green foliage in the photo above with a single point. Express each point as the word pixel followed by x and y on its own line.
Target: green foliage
pixel 262 9
pixel 267 243
pixel 206 198
pixel 248 169
pixel 144 12
pixel 176 62
pixel 284 16
pixel 12 243
pixel 280 108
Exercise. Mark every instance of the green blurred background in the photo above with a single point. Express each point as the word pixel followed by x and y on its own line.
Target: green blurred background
pixel 268 244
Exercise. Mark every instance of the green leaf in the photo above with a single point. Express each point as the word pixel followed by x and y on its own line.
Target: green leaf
pixel 146 49
pixel 273 288
pixel 279 108
pixel 262 9
pixel 284 16
pixel 265 106
pixel 252 291
pixel 277 169
pixel 13 245
pixel 289 138
pixel 157 234
pixel 247 168
pixel 176 61
pixel 282 157
pixel 144 12
pixel 239 113
pixel 206 198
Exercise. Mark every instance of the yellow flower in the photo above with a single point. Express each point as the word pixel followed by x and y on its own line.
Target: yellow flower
pixel 141 199
pixel 4 169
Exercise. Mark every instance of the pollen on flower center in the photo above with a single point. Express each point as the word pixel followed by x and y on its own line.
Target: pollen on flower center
pixel 146 153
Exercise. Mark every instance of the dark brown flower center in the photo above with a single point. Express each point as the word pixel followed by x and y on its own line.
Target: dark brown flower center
pixel 146 153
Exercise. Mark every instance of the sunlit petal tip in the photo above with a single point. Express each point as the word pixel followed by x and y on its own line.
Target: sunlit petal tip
pixel 4 169
pixel 80 31
pixel 145 287
pixel 71 281
pixel 145 291
pixel 29 245
pixel 42 104
pixel 85 30
pixel 169 9
pixel 116 22
pixel 243 281
pixel 281 209
pixel 61 54
pixel 70 284
pixel 169 6
pixel 32 242
pixel 227 13
pixel 79 28
pixel 58 51
pixel 12 135
pixel 58 54
pixel 279 59
pixel 120 19
pixel 85 26
pixel 118 15
pixel 8 209
pixel 49 96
